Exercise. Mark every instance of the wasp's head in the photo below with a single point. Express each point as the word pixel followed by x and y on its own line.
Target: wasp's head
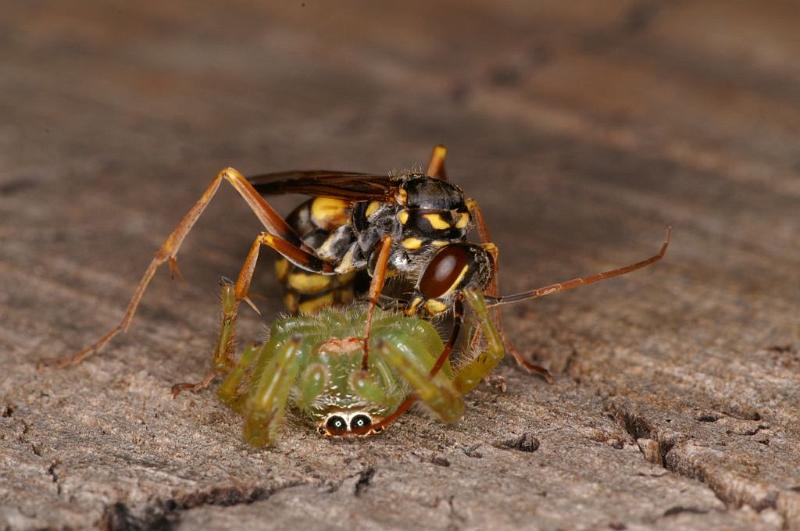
pixel 453 268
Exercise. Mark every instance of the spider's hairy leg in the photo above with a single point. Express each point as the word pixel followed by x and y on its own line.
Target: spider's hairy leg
pixel 311 384
pixel 470 375
pixel 233 294
pixel 493 290
pixel 276 371
pixel 222 360
pixel 437 392
pixel 230 391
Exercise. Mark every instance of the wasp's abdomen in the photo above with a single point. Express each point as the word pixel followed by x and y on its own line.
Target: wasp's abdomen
pixel 323 223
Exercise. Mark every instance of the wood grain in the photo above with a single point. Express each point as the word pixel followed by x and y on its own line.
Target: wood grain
pixel 583 128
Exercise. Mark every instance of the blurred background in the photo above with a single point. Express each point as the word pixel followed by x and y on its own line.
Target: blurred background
pixel 583 128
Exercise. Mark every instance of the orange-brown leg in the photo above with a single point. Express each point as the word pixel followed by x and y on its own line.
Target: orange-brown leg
pixel 436 164
pixel 168 251
pixel 178 388
pixel 540 292
pixel 232 296
pixel 583 281
pixel 493 290
pixel 375 290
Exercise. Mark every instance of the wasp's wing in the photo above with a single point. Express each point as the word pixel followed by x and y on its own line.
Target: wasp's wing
pixel 346 185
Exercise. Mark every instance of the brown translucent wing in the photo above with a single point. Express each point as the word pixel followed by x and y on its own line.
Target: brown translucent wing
pixel 345 185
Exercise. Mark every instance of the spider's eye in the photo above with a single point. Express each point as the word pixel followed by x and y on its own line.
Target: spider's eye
pixel 336 425
pixel 360 423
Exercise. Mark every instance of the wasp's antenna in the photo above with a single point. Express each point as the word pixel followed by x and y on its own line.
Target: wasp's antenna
pixel 580 281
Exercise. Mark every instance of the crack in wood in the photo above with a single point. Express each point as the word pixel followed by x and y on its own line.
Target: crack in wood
pixel 364 479
pixel 681 455
pixel 165 514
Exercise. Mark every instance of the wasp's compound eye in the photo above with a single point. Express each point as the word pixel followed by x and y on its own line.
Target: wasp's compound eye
pixel 360 423
pixel 445 271
pixel 336 425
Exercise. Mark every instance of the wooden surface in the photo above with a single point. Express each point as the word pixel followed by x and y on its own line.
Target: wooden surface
pixel 583 128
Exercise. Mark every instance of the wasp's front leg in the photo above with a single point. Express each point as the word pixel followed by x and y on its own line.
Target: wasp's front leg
pixel 375 290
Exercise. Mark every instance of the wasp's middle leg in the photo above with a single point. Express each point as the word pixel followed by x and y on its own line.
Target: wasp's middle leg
pixel 233 295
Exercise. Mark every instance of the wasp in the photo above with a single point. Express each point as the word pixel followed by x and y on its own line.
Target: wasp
pixel 412 226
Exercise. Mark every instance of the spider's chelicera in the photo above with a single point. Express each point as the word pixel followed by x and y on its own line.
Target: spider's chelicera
pixel 349 424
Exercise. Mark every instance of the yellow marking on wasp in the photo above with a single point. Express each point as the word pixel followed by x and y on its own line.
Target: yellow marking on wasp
pixel 401 196
pixel 328 212
pixel 281 268
pixel 412 244
pixel 309 283
pixel 372 207
pixel 434 307
pixel 457 281
pixel 345 278
pixel 346 263
pixel 440 243
pixel 412 308
pixel 316 304
pixel 492 250
pixel 462 221
pixel 327 250
pixel 403 217
pixel 437 221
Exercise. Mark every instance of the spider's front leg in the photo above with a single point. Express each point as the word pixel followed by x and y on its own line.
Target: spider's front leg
pixel 222 359
pixel 275 371
pixel 493 290
pixel 471 373
pixel 410 355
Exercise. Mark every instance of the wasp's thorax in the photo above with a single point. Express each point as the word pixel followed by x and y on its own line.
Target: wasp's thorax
pixel 424 215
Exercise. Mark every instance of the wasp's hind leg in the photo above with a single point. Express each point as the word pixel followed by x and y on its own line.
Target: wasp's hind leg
pixel 286 243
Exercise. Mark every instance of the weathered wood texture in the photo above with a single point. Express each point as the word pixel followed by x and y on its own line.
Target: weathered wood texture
pixel 582 127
